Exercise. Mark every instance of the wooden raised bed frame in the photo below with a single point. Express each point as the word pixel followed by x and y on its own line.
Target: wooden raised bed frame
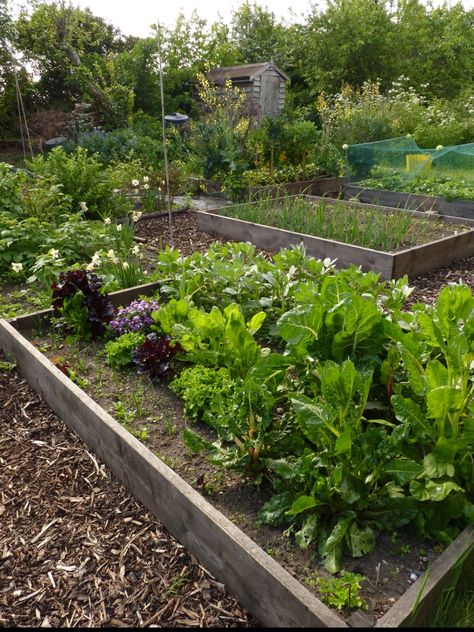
pixel 412 261
pixel 415 201
pixel 267 590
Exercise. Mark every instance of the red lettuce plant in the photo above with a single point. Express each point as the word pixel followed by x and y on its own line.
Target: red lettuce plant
pixel 79 304
pixel 155 354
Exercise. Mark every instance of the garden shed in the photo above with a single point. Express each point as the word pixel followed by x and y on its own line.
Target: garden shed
pixel 264 84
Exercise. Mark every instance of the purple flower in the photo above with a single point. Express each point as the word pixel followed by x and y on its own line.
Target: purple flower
pixel 134 317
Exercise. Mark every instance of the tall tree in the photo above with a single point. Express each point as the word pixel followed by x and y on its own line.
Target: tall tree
pixel 434 46
pixel 348 43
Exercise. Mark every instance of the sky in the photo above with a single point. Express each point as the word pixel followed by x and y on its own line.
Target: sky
pixel 134 17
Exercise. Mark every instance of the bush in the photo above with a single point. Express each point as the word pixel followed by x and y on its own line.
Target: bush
pixel 81 176
pixel 121 145
pixel 11 187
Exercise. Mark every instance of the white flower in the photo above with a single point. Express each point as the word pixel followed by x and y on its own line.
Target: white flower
pixel 136 215
pixel 119 227
pixel 90 266
pixel 125 265
pixel 146 179
pixel 52 252
pixel 112 256
pixel 345 147
pixel 135 183
pixel 83 206
pixel 107 221
pixel 17 267
pixel 135 249
pixel 135 191
pixel 95 261
pixel 439 147
pixel 146 186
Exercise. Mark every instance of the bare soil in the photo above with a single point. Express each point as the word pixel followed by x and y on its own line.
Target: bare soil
pixel 77 551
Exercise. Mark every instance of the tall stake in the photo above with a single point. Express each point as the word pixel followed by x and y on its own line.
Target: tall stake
pixel 165 151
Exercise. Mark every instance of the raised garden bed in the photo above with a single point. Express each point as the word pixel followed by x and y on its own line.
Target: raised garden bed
pixel 414 201
pixel 262 585
pixel 316 186
pixel 412 261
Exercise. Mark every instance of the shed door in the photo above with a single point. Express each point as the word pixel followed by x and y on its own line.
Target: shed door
pixel 270 91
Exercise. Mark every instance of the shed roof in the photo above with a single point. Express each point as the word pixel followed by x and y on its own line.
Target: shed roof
pixel 246 72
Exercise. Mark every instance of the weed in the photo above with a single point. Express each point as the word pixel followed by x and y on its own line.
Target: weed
pixel 342 591
pixel 7 366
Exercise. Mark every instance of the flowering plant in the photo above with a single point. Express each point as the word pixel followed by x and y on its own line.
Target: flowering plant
pixel 136 317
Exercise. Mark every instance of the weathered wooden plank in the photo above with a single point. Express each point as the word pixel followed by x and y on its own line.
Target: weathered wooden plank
pixel 388 210
pixel 262 585
pixel 396 199
pixel 425 592
pixel 421 259
pixel 272 239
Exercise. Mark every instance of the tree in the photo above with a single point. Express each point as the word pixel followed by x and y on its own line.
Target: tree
pixel 434 46
pixel 348 44
pixel 67 47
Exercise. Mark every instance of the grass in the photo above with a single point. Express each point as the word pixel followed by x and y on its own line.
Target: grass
pixel 454 607
pixel 369 228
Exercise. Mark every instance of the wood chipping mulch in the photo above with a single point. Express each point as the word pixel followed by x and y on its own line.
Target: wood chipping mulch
pixel 76 550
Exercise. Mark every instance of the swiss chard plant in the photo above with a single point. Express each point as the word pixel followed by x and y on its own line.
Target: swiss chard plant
pixel 433 400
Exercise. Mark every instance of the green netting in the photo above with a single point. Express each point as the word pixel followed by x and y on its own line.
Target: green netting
pixel 401 158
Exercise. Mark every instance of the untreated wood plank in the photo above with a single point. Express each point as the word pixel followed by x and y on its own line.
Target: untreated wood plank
pixel 421 259
pixel 260 583
pixel 397 199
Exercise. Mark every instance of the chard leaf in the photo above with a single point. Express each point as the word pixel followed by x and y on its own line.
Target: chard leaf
pixel 344 442
pixel 302 504
pixel 195 442
pixel 443 400
pixel 436 374
pixel 388 513
pixel 256 322
pixel 360 541
pixel 274 511
pixel 454 303
pixel 350 492
pixel 403 470
pixel 270 370
pixel 415 372
pixel 306 534
pixel 361 329
pixel 331 549
pixel 432 332
pixel 440 461
pixel 284 468
pixel 314 419
pixel 409 412
pixel 433 490
pixel 301 325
